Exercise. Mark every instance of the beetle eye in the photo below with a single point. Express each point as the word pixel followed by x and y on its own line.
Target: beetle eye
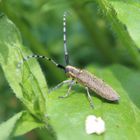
pixel 66 70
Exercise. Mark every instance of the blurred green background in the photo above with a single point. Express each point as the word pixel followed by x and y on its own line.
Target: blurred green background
pixel 90 41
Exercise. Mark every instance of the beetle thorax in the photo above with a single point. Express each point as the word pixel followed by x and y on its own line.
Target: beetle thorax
pixel 72 71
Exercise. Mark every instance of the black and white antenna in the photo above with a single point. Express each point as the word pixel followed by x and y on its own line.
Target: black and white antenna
pixel 49 59
pixel 65 39
pixel 40 56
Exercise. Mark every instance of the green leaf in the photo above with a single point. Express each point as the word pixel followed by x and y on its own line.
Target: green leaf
pixel 7 127
pixel 67 116
pixel 129 81
pixel 121 15
pixel 26 123
pixel 19 124
pixel 128 12
pixel 27 82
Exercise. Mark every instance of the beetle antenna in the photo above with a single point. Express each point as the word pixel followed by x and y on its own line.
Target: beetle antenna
pixel 40 56
pixel 65 39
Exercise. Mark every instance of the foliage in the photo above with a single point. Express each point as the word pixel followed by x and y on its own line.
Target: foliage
pixel 100 30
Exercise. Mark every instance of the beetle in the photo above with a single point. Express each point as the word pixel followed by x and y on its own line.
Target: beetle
pixel 85 78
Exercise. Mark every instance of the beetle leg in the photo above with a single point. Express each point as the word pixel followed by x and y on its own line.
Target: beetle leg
pixel 68 92
pixel 60 84
pixel 89 98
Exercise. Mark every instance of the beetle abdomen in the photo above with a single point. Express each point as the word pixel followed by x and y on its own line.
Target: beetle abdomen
pixel 97 85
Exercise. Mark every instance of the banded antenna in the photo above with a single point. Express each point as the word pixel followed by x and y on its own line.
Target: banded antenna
pixel 49 59
pixel 65 39
pixel 40 56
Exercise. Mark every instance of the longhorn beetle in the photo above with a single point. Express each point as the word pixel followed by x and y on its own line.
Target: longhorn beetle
pixel 88 80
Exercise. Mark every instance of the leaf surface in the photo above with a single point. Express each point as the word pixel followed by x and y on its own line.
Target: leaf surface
pixel 19 124
pixel 27 81
pixel 128 12
pixel 67 116
pixel 121 16
pixel 6 128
